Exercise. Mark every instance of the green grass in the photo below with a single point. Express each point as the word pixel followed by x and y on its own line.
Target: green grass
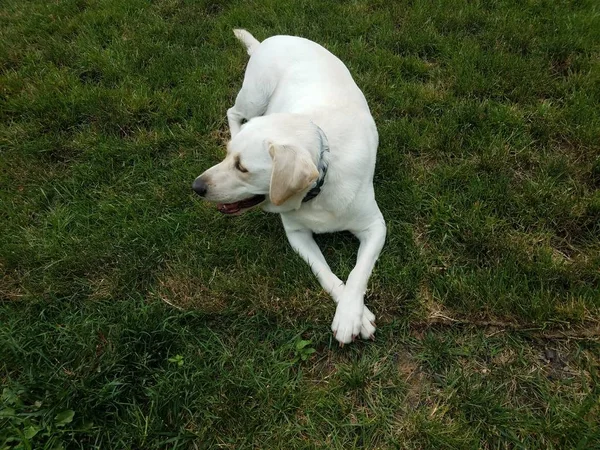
pixel 160 324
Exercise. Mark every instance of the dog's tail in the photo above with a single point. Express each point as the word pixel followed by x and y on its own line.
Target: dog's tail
pixel 247 39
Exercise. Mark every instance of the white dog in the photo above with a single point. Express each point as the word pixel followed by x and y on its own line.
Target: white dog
pixel 307 152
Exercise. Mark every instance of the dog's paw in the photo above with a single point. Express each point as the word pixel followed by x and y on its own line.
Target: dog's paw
pixel 367 329
pixel 347 322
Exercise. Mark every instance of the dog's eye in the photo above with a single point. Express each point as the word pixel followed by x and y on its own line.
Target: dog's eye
pixel 239 166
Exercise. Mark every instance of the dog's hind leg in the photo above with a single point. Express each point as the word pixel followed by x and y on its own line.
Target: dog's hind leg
pixel 253 98
pixel 251 101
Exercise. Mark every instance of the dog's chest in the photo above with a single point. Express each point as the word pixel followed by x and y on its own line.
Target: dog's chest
pixel 319 221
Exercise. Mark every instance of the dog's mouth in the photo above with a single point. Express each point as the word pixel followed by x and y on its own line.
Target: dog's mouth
pixel 242 205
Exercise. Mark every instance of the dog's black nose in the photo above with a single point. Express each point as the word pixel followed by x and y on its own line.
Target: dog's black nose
pixel 199 187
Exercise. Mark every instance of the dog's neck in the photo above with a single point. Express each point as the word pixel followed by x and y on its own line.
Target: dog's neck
pixel 322 164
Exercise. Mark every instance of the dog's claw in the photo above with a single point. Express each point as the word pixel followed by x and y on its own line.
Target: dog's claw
pixel 341 345
pixel 372 322
pixel 372 337
pixel 354 337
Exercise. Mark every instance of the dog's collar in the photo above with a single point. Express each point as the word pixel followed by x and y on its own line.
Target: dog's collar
pixel 322 165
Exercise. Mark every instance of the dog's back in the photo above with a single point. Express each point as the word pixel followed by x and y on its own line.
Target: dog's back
pixel 301 75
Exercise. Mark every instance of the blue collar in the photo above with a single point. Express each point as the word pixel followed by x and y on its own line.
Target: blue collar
pixel 322 165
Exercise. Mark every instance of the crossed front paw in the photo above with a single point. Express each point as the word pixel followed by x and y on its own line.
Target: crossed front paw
pixel 350 320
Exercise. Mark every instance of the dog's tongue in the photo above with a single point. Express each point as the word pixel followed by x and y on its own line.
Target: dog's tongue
pixel 235 207
pixel 228 208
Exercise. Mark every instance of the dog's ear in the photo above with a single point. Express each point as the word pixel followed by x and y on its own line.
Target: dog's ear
pixel 293 171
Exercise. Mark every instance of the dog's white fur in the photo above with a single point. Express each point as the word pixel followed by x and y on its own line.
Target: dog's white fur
pixel 293 87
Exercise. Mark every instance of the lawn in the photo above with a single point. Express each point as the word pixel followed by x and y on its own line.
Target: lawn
pixel 132 315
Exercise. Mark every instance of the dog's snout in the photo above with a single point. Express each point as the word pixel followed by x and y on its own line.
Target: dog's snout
pixel 199 187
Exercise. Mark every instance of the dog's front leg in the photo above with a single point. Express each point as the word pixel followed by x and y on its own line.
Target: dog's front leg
pixel 349 321
pixel 303 243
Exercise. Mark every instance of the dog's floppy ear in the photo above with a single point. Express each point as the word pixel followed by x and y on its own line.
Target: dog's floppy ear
pixel 293 171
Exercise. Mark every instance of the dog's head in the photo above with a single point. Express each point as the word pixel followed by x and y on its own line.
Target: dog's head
pixel 270 162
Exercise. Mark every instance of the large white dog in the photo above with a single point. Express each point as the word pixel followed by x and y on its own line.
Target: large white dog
pixel 307 151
